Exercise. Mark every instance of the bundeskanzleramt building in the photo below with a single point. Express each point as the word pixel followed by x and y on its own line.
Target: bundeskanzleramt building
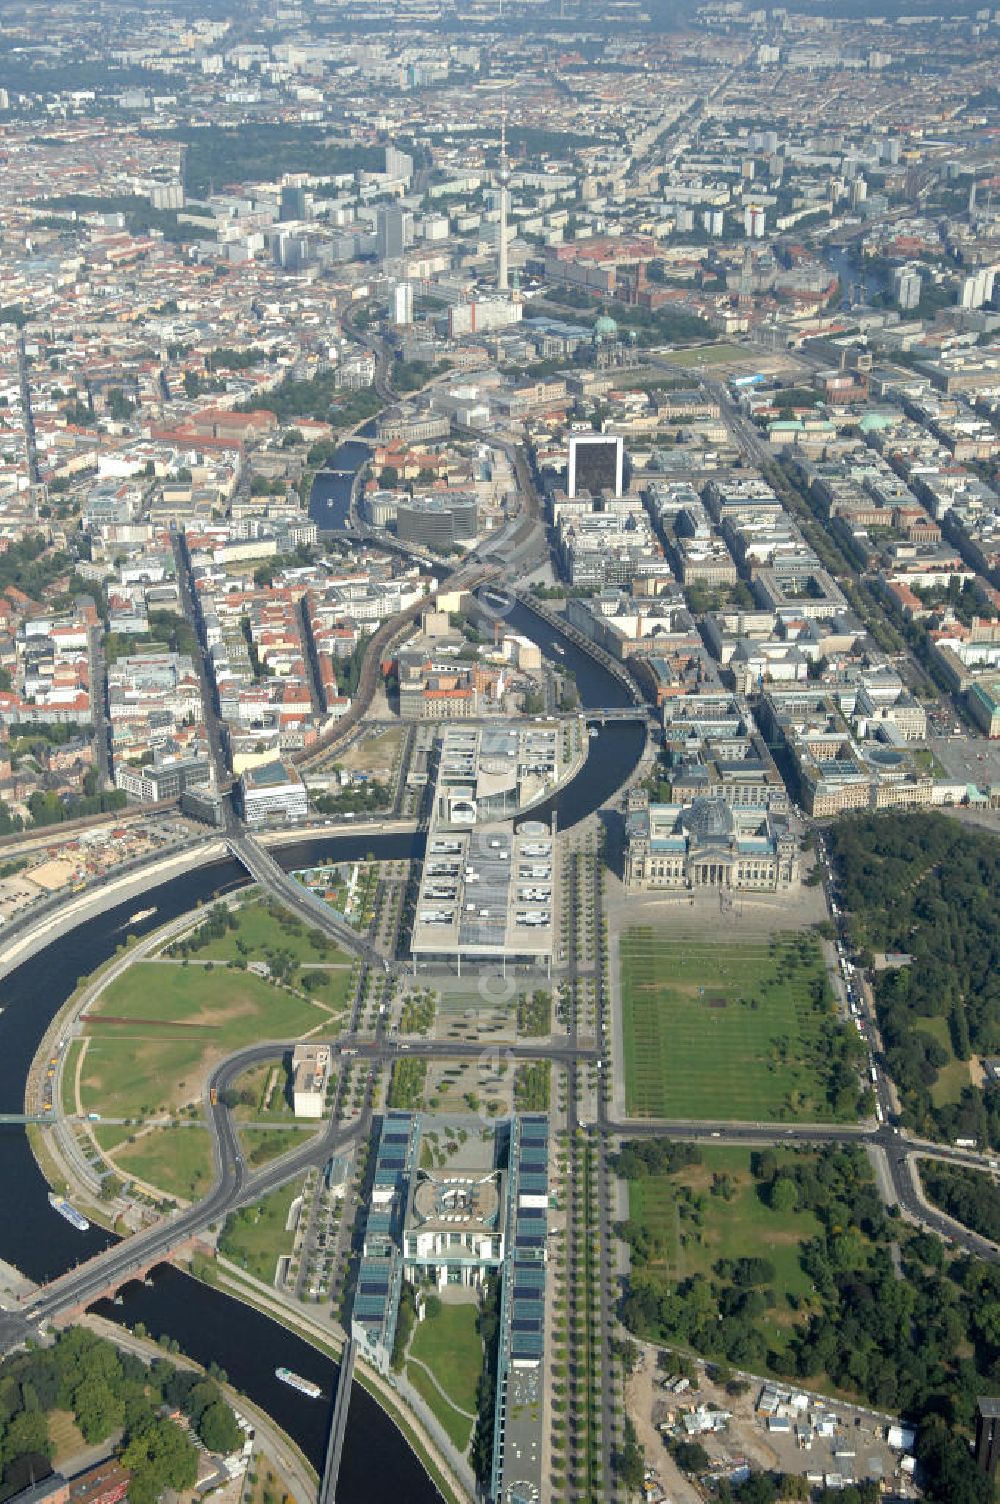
pixel 456 1216
pixel 481 1208
pixel 708 844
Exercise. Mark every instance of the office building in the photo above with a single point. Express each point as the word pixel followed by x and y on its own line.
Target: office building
pixel 596 464
pixel 166 777
pixel 390 232
pixel 434 522
pixel 293 203
pixel 310 1075
pixel 486 891
pixel 273 794
pixel 482 314
pixel 380 1272
pixel 516 1472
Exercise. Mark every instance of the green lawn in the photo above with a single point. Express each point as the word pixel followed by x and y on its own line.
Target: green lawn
pixel 725 1030
pixel 262 929
pixel 925 760
pixel 742 1227
pixel 110 1135
pixel 261 1145
pixel 333 988
pixel 255 1237
pixel 176 1160
pixel 953 1078
pixel 174 1023
pixel 266 1084
pixel 457 1427
pixel 452 1349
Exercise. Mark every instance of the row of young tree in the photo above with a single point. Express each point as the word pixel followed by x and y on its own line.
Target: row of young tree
pixel 926 887
pixel 111 1394
pixel 925 1345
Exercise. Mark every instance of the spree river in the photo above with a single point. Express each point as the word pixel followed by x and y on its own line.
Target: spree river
pixel 378 1465
pixel 330 497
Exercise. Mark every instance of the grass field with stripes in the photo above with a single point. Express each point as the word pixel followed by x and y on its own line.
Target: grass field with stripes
pixel 737 1030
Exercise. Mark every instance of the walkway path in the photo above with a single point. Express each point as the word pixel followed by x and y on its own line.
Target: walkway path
pixel 418 1363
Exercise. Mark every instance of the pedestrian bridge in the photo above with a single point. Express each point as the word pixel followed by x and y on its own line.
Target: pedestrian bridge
pixel 338 1425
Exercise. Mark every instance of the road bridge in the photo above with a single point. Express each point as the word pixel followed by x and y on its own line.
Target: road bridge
pixel 609 714
pixel 338 1425
pixel 134 1257
pixel 264 870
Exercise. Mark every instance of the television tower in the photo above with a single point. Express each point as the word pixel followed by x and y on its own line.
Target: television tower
pixel 504 178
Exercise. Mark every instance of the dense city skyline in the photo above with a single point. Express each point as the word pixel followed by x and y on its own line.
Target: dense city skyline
pixel 499 776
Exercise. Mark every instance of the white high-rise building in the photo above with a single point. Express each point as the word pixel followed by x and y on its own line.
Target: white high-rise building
pixel 401 303
pixel 977 288
pixel 166 195
pixel 907 286
pixel 754 222
pixel 398 164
